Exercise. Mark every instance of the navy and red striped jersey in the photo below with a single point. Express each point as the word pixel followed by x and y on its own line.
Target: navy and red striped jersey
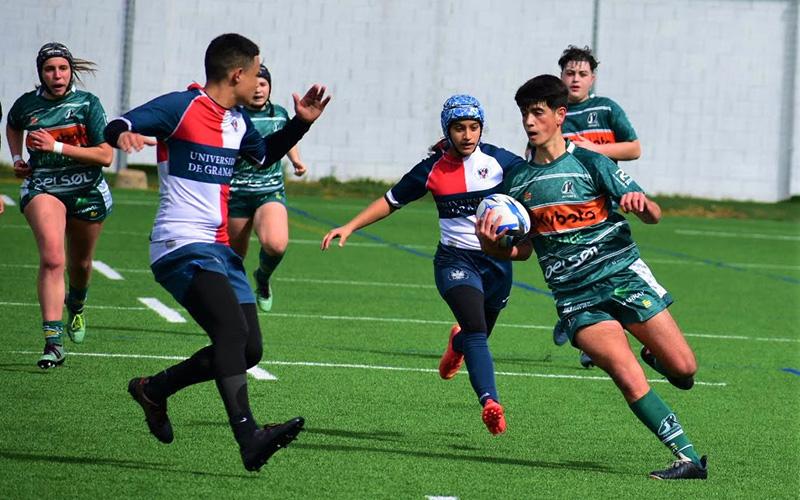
pixel 198 144
pixel 458 185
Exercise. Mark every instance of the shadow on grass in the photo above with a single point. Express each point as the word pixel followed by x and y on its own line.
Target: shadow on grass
pixel 29 368
pixel 111 462
pixel 371 436
pixel 581 466
pixel 548 361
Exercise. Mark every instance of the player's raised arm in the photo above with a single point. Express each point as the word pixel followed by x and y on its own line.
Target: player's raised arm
pixel 307 110
pixel 119 135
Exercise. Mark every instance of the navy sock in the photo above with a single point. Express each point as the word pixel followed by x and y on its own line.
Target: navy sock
pixel 479 364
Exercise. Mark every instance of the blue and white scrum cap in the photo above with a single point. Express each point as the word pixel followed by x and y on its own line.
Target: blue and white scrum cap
pixel 461 107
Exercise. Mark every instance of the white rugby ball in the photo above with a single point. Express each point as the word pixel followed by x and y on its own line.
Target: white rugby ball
pixel 513 216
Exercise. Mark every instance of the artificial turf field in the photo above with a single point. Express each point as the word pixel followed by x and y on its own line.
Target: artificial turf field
pixel 354 340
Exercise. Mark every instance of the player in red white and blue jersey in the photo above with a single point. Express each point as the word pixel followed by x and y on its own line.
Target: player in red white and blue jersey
pixel 199 135
pixel 590 261
pixel 475 286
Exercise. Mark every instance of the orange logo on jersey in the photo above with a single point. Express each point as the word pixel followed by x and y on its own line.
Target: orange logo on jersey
pixel 595 136
pixel 72 134
pixel 562 217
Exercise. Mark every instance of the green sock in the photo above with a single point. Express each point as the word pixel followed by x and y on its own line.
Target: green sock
pixel 52 332
pixel 659 418
pixel 75 299
pixel 266 266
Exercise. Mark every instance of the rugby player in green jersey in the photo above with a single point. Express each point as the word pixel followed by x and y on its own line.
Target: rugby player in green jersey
pixel 594 123
pixel 258 197
pixel 63 191
pixel 600 284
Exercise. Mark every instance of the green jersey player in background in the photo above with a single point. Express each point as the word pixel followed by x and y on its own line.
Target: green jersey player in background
pixel 594 123
pixel 590 262
pixel 258 197
pixel 63 191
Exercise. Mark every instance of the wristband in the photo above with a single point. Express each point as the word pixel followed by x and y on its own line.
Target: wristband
pixel 15 159
pixel 58 147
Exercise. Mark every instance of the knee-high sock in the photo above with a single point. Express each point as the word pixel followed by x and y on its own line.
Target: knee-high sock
pixel 662 421
pixel 480 364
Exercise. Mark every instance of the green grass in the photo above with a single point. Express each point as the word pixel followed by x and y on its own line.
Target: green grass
pixel 343 318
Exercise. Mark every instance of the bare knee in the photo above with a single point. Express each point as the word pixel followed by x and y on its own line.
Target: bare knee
pixel 52 262
pixel 275 248
pixel 685 367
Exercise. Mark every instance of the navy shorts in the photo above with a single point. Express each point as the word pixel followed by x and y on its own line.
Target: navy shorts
pixel 175 270
pixel 456 266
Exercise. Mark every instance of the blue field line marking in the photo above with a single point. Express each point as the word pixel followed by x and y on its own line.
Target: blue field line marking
pixel 791 370
pixel 720 264
pixel 418 253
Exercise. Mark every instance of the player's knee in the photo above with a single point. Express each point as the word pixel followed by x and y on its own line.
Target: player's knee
pixel 685 368
pixel 253 354
pixel 275 248
pixel 52 262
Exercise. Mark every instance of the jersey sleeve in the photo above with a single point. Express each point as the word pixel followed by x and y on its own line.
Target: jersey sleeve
pixel 160 117
pixel 252 147
pixel 96 121
pixel 609 177
pixel 16 120
pixel 623 130
pixel 413 185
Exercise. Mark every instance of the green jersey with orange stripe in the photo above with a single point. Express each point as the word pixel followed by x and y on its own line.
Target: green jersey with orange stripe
pixel 79 120
pixel 578 238
pixel 599 120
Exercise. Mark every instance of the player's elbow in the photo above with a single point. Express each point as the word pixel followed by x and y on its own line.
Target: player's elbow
pixel 106 156
pixel 635 151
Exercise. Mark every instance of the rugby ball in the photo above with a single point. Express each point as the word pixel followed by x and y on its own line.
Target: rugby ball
pixel 513 216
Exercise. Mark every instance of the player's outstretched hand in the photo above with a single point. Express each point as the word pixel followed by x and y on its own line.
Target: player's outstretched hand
pixel 132 141
pixel 312 104
pixel 340 232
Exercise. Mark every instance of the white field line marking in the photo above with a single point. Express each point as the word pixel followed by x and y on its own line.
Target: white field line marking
pixel 439 497
pixel 424 322
pixel 106 270
pixel 312 364
pixel 169 314
pixel 724 234
pixel 8 200
pixel 392 320
pixel 256 372
pixel 261 374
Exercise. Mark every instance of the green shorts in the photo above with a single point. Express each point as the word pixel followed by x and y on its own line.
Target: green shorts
pixel 630 296
pixel 93 204
pixel 243 204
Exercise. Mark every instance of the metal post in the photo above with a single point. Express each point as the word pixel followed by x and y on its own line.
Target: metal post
pixel 127 61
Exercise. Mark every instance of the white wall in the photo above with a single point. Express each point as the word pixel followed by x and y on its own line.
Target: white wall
pixel 702 80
